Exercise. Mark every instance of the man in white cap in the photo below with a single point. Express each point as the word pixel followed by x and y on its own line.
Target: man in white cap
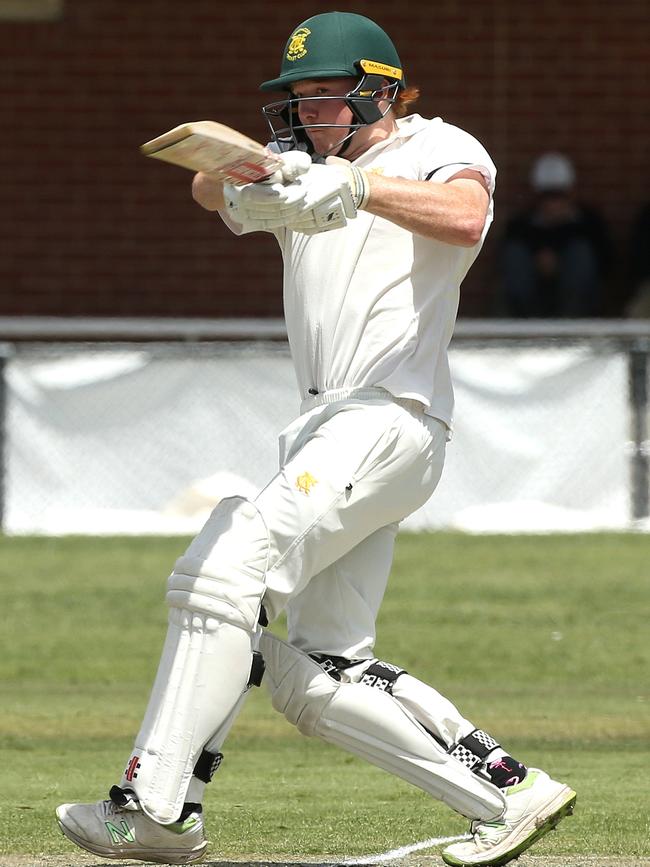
pixel 556 253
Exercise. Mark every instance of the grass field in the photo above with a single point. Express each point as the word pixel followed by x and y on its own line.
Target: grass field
pixel 543 641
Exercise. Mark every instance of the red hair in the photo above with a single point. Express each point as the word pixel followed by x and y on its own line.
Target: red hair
pixel 404 101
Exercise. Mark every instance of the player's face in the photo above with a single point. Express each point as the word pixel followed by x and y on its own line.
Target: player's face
pixel 331 110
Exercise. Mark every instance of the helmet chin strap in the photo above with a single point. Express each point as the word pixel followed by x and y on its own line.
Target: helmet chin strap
pixel 343 145
pixel 347 141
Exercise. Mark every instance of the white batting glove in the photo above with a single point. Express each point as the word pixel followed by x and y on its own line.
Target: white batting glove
pixel 295 163
pixel 333 194
pixel 271 203
pixel 321 198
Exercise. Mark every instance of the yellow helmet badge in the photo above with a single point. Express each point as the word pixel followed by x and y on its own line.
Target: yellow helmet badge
pixel 297 47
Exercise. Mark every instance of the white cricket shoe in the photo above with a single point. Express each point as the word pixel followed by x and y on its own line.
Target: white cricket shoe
pixel 533 808
pixel 114 832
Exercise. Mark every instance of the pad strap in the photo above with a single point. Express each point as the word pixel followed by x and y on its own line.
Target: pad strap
pixel 382 675
pixel 473 749
pixel 257 669
pixel 332 665
pixel 207 765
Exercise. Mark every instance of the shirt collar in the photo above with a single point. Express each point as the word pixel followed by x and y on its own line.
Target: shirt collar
pixel 406 128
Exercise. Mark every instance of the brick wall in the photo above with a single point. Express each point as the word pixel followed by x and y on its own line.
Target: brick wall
pixel 89 227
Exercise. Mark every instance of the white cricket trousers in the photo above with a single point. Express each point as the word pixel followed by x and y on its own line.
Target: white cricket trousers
pixel 350 471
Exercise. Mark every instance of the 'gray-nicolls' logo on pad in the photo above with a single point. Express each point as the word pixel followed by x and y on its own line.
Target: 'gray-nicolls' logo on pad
pixel 131 772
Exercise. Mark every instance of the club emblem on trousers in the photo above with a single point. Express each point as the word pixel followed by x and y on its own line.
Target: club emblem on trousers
pixel 305 482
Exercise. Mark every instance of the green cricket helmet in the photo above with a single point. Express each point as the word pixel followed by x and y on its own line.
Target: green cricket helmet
pixel 335 45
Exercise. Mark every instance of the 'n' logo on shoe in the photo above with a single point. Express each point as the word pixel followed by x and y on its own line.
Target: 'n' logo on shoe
pixel 131 769
pixel 121 834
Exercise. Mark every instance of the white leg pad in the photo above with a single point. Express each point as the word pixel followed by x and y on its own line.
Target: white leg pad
pixel 222 573
pixel 206 660
pixel 373 725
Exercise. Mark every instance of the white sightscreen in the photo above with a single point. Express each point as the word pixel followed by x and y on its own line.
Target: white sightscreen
pixel 146 438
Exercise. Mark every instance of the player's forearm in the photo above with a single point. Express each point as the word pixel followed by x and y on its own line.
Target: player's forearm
pixel 454 212
pixel 207 192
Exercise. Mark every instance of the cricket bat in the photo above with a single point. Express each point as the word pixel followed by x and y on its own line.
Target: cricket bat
pixel 216 149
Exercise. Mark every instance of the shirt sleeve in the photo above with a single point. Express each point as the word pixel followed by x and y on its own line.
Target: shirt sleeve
pixel 452 150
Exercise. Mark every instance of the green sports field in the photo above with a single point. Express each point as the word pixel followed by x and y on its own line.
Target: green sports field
pixel 543 641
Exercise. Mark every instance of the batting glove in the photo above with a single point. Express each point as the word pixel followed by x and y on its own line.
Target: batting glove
pixel 333 194
pixel 320 199
pixel 271 203
pixel 295 163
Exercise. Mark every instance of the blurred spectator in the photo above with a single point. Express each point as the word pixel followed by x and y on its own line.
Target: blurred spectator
pixel 639 303
pixel 557 252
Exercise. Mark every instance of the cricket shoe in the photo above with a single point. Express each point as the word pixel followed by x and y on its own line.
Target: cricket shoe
pixel 112 831
pixel 533 808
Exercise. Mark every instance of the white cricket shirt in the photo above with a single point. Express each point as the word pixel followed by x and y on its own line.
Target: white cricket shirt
pixel 372 304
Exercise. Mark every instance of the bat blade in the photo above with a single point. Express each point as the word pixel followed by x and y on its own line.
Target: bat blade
pixel 216 149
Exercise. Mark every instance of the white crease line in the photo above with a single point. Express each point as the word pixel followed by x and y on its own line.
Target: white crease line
pixel 394 854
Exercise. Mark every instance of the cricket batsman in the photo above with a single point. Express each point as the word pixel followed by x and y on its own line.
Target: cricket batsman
pixel 379 214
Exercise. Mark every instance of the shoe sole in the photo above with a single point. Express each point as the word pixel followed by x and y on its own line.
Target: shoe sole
pixel 158 856
pixel 562 805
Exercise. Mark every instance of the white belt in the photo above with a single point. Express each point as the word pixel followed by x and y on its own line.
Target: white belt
pixel 371 393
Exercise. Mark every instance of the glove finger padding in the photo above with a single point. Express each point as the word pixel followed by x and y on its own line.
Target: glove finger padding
pixel 271 205
pixel 296 163
pixel 333 195
pixel 328 183
pixel 265 198
pixel 322 218
pixel 321 199
pixel 328 202
pixel 357 180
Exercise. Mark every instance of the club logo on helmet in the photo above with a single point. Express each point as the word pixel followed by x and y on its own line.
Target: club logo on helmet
pixel 297 47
